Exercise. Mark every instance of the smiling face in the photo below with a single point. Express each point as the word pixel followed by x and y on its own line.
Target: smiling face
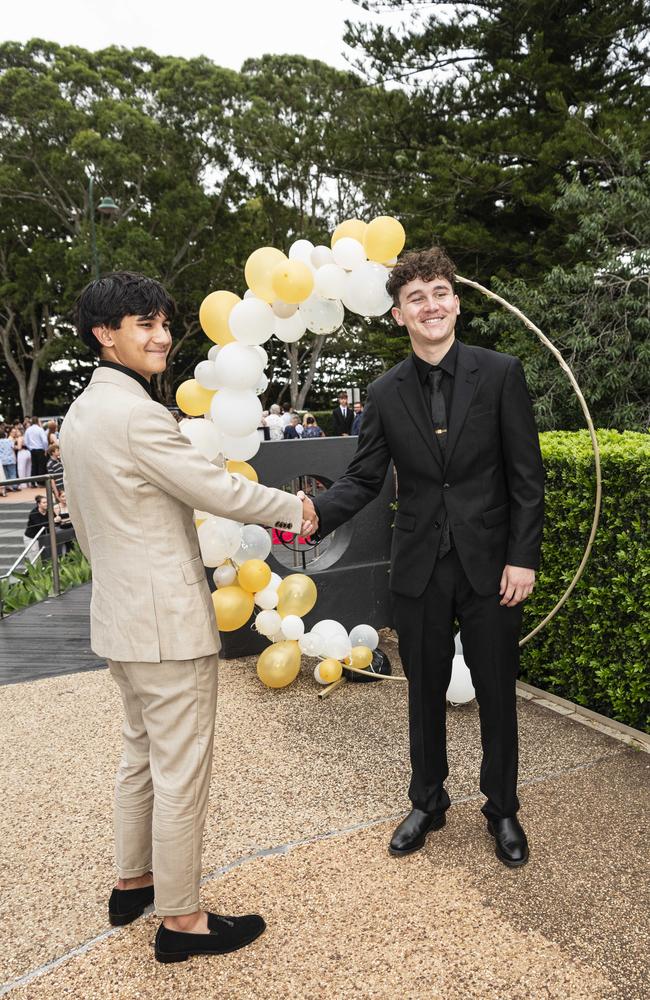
pixel 141 343
pixel 428 310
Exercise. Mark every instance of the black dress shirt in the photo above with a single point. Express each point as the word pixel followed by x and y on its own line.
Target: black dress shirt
pixel 127 371
pixel 447 365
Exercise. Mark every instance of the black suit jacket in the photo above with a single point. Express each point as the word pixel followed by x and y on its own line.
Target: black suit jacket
pixel 341 425
pixel 491 483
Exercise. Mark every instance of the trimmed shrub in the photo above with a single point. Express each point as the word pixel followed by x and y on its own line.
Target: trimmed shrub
pixel 593 651
pixel 324 420
pixel 35 583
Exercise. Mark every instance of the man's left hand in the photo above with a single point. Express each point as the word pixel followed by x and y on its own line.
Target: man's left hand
pixel 516 585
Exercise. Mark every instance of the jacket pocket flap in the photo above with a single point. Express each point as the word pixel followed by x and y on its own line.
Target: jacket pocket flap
pixel 193 570
pixel 496 515
pixel 404 521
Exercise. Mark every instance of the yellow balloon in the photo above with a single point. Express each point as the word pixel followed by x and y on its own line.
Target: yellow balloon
pixel 279 664
pixel 384 238
pixel 292 281
pixel 297 595
pixel 213 316
pixel 354 228
pixel 193 399
pixel 233 607
pixel 254 575
pixel 259 271
pixel 242 469
pixel 360 657
pixel 330 670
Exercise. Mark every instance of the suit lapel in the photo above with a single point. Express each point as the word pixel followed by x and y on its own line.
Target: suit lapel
pixel 465 381
pixel 410 390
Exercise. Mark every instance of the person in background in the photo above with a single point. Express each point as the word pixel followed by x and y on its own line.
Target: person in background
pixel 61 512
pixel 356 423
pixel 294 429
pixel 287 413
pixel 274 423
pixel 55 468
pixel 37 518
pixel 52 433
pixel 342 417
pixel 8 458
pixel 36 441
pixel 23 456
pixel 312 430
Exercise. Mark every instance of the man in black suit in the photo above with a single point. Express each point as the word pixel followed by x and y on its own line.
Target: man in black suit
pixel 342 417
pixel 458 423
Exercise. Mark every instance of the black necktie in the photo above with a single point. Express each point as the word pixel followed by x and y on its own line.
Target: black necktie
pixel 439 424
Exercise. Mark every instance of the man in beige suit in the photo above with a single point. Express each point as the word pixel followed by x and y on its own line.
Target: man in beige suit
pixel 132 482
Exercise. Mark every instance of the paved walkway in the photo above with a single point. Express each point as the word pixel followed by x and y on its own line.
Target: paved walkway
pixel 304 796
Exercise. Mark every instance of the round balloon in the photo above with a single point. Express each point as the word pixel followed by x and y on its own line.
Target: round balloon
pixel 322 316
pixel 205 375
pixel 330 670
pixel 193 399
pixel 254 575
pixel 297 595
pixel 384 238
pixel 255 543
pixel 204 436
pixel 233 607
pixel 240 449
pixel 236 412
pixel 219 539
pixel 328 626
pixel 360 657
pixel 262 385
pixel 279 665
pixel 354 228
pixel 238 366
pixel 213 315
pixel 292 627
pixel 293 281
pixel 460 690
pixel 283 310
pixel 292 329
pixel 365 291
pixel 242 469
pixel 336 646
pixel 268 623
pixel 258 273
pixel 267 598
pixel 224 576
pixel 214 350
pixel 364 635
pixel 301 250
pixel 330 281
pixel 320 256
pixel 348 253
pixel 251 321
pixel 309 643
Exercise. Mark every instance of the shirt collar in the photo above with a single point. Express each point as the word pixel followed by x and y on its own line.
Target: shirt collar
pixel 446 363
pixel 127 371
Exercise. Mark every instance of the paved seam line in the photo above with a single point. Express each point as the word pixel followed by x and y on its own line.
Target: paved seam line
pixel 281 849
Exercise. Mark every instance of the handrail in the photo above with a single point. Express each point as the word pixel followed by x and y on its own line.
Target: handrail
pixel 47 479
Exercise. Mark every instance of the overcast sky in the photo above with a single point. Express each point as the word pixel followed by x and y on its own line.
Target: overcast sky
pixel 228 32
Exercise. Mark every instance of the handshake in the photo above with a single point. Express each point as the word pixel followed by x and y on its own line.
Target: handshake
pixel 309 515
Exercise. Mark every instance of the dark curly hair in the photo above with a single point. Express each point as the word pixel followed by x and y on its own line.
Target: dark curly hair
pixel 107 300
pixel 424 264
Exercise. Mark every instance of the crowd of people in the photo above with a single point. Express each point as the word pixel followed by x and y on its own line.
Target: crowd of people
pixel 284 423
pixel 29 449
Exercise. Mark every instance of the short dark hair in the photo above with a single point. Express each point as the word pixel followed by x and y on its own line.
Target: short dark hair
pixel 106 301
pixel 424 264
pixel 52 448
pixel 310 420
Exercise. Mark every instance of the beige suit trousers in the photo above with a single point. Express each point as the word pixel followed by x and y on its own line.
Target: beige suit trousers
pixel 162 784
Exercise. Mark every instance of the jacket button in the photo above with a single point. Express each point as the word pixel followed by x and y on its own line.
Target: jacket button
pixel 436 524
pixel 445 486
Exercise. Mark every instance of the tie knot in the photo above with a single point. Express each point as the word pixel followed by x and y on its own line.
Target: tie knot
pixel 435 377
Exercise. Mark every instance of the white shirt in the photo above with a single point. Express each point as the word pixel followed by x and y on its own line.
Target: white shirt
pixel 35 437
pixel 286 419
pixel 275 426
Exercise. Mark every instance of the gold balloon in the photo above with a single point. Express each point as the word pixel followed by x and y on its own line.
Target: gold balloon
pixel 254 575
pixel 297 595
pixel 213 316
pixel 233 607
pixel 354 228
pixel 242 469
pixel 360 657
pixel 193 399
pixel 292 281
pixel 259 271
pixel 279 664
pixel 330 670
pixel 384 238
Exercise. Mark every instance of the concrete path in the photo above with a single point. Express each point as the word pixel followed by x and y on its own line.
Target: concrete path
pixel 304 796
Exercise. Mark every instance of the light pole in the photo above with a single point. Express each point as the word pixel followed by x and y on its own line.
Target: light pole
pixel 107 207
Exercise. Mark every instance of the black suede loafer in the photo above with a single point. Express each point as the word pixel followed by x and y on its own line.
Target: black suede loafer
pixel 126 905
pixel 226 934
pixel 510 842
pixel 412 832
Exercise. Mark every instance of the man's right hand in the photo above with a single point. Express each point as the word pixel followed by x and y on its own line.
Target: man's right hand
pixel 309 515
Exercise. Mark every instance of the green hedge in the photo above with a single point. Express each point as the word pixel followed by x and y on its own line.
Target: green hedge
pixel 324 420
pixel 593 651
pixel 35 583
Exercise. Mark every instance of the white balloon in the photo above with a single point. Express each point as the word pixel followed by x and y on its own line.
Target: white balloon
pixel 240 449
pixel 251 321
pixel 460 690
pixel 236 412
pixel 204 436
pixel 348 253
pixel 267 599
pixel 309 644
pixel 337 646
pixel 268 623
pixel 327 626
pixel 255 544
pixel 219 539
pixel 364 635
pixel 330 281
pixel 248 294
pixel 292 627
pixel 301 250
pixel 320 256
pixel 262 353
pixel 275 581
pixel 290 330
pixel 262 385
pixel 317 676
pixel 322 316
pixel 365 291
pixel 238 366
pixel 278 637
pixel 205 375
pixel 224 576
pixel 214 350
pixel 283 310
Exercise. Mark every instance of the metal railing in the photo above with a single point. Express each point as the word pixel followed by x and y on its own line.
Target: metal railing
pixel 51 527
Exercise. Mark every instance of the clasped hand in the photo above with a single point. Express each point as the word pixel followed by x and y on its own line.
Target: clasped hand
pixel 309 515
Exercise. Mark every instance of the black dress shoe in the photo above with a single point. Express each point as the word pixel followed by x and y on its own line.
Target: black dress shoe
pixel 511 845
pixel 126 905
pixel 226 934
pixel 412 832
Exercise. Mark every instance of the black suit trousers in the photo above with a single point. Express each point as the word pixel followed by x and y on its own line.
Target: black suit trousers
pixel 490 638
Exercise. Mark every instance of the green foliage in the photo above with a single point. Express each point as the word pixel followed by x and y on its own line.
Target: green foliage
pixel 594 652
pixel 35 582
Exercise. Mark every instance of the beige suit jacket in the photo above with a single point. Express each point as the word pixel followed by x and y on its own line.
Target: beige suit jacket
pixel 132 483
